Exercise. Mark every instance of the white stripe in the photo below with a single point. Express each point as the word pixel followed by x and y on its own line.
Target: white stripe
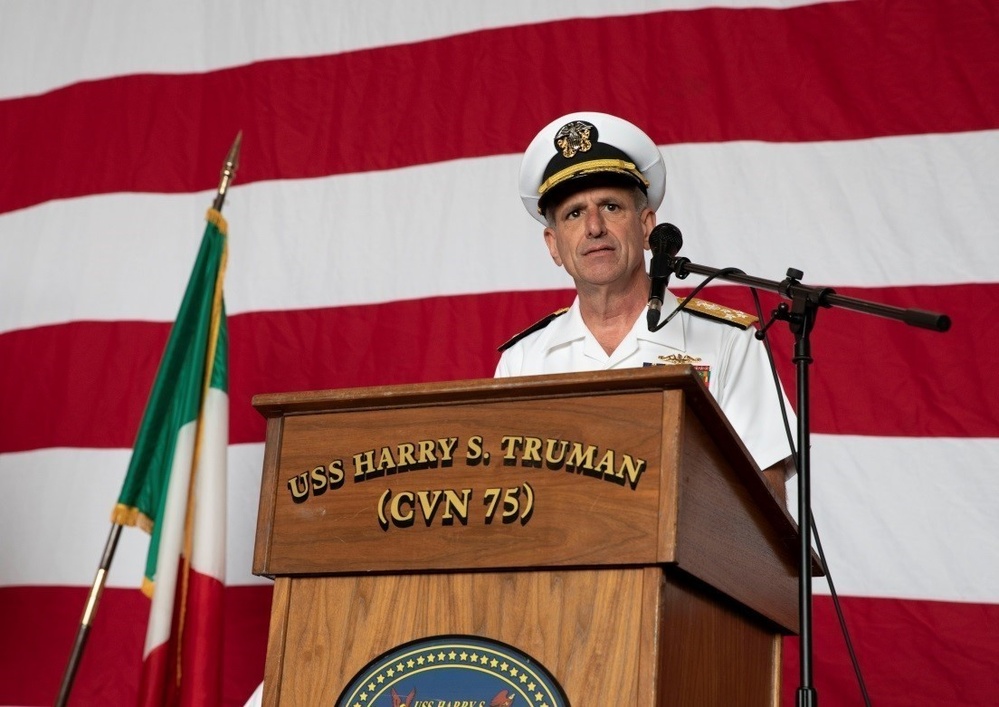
pixel 907 518
pixel 209 515
pixel 58 502
pixel 65 41
pixel 898 517
pixel 171 539
pixel 208 552
pixel 892 211
pixel 881 212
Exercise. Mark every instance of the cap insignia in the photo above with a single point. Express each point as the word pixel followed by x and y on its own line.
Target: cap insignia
pixel 575 137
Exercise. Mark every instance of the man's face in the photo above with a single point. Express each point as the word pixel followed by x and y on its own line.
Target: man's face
pixel 599 236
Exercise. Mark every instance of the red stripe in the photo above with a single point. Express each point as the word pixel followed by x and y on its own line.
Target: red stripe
pixel 39 624
pixel 156 669
pixel 868 372
pixel 203 642
pixel 823 72
pixel 907 650
pixel 875 376
pixel 901 644
pixel 200 673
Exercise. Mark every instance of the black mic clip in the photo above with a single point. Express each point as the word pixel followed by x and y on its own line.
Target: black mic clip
pixel 678 266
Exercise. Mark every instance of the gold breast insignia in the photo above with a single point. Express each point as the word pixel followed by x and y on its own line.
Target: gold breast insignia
pixel 703 370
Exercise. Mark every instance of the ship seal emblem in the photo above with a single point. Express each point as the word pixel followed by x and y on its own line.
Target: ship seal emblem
pixel 453 671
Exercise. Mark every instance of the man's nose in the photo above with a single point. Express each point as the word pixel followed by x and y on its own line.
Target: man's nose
pixel 595 225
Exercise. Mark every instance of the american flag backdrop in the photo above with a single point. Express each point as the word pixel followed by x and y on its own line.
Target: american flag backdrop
pixel 376 237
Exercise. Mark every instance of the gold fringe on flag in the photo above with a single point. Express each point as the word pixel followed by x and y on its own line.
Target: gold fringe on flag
pixel 216 218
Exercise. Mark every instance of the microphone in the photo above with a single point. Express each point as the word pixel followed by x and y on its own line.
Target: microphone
pixel 665 241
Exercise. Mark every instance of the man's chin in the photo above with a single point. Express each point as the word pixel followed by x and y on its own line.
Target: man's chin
pixel 598 279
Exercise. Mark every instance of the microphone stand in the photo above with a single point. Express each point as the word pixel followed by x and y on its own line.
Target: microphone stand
pixel 800 316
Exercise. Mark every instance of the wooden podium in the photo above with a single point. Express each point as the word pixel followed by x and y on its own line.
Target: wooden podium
pixel 611 526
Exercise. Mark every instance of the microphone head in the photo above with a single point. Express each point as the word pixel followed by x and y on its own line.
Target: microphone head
pixel 666 238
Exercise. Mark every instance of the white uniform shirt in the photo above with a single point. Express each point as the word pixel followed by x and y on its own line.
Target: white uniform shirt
pixel 738 371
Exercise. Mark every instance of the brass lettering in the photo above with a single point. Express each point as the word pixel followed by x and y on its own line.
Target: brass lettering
pixel 511 444
pixel 606 465
pixel 554 459
pixel 406 457
pixel 385 461
pixel 532 452
pixel 319 481
pixel 364 465
pixel 474 455
pixel 456 506
pixel 447 447
pixel 580 460
pixel 299 487
pixel 403 518
pixel 427 448
pixel 429 501
pixel 631 467
pixel 335 473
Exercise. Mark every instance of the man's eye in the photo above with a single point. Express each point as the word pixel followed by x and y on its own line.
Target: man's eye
pixel 612 207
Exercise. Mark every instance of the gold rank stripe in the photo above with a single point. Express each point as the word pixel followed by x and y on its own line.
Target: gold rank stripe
pixel 719 312
pixel 533 328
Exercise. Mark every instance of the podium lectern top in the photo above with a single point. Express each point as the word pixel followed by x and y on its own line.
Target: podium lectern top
pixel 622 468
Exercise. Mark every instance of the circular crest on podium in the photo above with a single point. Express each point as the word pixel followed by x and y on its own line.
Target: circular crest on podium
pixel 453 671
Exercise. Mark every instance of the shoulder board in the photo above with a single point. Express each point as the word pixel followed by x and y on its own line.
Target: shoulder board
pixel 710 310
pixel 533 328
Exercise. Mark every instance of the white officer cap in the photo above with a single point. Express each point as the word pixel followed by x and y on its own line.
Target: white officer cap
pixel 580 149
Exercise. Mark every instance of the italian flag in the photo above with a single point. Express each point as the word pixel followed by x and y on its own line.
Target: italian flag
pixel 175 490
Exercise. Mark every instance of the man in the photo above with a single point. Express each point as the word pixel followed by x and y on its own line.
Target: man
pixel 595 182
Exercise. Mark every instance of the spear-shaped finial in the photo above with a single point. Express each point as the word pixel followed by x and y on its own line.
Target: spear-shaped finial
pixel 228 171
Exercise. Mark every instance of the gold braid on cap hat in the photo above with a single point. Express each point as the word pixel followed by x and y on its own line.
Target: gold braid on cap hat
pixel 606 165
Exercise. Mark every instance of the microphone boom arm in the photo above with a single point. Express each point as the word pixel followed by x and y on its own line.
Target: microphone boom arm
pixel 792 289
pixel 805 302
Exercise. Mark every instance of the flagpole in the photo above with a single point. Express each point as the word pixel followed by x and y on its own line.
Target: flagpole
pixel 93 598
pixel 83 632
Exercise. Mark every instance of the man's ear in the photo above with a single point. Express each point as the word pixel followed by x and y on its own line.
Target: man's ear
pixel 553 246
pixel 648 219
